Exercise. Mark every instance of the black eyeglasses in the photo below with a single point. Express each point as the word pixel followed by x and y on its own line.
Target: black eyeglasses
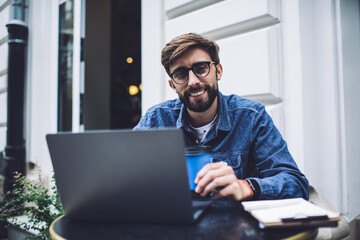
pixel 181 74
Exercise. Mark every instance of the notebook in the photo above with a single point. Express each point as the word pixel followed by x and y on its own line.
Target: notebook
pixel 124 176
pixel 294 213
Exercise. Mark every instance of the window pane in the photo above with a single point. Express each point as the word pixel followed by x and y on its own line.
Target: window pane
pixel 66 19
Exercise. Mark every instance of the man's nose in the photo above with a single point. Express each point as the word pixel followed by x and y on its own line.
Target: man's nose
pixel 193 79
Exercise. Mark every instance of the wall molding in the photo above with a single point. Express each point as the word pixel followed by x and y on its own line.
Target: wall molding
pixel 250 25
pixel 3 72
pixel 268 99
pixel 340 106
pixel 4 40
pixel 3 90
pixel 189 7
pixel 7 3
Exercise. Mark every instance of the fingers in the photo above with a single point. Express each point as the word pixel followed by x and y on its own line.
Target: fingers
pixel 220 177
pixel 212 176
pixel 207 168
pixel 233 190
pixel 217 183
pixel 237 191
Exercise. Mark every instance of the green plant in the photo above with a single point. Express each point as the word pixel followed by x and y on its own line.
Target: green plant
pixel 33 200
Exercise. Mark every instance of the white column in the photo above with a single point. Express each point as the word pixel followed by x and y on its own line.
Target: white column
pixel 152 41
pixel 42 81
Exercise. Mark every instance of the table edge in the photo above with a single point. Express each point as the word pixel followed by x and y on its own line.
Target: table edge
pixel 308 234
pixel 53 234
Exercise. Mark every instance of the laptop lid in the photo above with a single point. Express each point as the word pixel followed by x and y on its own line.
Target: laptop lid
pixel 123 175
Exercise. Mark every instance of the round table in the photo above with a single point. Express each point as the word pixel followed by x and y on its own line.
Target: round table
pixel 223 220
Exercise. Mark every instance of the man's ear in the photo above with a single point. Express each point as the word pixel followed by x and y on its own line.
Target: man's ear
pixel 171 84
pixel 219 71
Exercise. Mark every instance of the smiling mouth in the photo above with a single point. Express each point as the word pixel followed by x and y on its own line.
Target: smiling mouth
pixel 195 94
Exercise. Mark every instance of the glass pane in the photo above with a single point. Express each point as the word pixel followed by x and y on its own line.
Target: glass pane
pixel 66 19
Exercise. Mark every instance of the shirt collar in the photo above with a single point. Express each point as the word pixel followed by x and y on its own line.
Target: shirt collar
pixel 180 123
pixel 222 124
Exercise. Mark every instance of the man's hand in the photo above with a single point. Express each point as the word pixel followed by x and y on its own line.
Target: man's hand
pixel 220 177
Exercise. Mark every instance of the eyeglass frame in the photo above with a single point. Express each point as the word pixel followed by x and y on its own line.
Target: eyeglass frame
pixel 191 68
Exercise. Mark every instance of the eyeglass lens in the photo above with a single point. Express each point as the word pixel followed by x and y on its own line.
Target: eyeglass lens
pixel 200 69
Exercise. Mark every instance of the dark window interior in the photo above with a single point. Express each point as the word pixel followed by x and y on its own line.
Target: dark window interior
pixel 66 19
pixel 112 54
pixel 125 63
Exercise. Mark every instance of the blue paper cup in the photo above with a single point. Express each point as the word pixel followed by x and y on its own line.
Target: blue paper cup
pixel 196 158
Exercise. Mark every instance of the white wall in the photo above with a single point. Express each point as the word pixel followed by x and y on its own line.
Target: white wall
pixel 330 72
pixel 4 19
pixel 292 74
pixel 350 50
pixel 152 29
pixel 42 81
pixel 321 122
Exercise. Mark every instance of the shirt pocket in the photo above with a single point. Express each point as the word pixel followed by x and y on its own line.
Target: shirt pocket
pixel 235 160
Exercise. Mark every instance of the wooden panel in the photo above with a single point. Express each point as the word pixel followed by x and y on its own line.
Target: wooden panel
pixel 207 19
pixel 245 63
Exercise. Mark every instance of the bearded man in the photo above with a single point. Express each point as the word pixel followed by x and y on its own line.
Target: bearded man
pixel 250 158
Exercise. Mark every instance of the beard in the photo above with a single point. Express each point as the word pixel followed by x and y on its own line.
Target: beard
pixel 199 105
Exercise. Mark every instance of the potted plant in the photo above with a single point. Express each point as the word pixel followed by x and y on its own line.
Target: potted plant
pixel 34 201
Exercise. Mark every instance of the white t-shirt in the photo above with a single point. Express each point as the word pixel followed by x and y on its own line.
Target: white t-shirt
pixel 201 132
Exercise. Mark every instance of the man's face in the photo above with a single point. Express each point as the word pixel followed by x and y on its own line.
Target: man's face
pixel 198 93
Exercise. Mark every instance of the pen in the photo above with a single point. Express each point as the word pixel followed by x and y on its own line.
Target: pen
pixel 305 219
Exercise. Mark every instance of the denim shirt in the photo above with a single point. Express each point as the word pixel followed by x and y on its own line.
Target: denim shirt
pixel 246 138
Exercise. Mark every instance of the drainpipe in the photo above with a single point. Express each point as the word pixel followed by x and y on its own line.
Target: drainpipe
pixel 14 159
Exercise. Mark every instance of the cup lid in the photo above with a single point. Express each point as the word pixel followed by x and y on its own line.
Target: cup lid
pixel 196 150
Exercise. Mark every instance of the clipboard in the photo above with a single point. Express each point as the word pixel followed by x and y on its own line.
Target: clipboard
pixel 295 213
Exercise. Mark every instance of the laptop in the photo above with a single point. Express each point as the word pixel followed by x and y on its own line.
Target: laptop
pixel 124 176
